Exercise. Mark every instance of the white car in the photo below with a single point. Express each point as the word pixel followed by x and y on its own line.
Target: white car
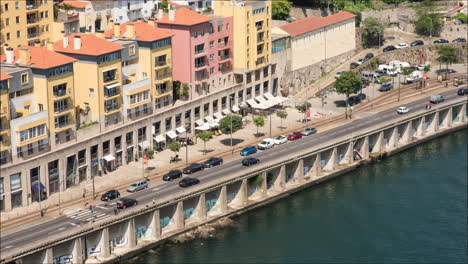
pixel 266 143
pixel 338 74
pixel 403 110
pixel 280 140
pixel 402 45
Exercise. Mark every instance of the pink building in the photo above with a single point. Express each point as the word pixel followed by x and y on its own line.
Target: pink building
pixel 201 46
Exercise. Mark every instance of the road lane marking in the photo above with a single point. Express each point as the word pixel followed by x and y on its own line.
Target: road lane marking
pixel 101 207
pixel 73 224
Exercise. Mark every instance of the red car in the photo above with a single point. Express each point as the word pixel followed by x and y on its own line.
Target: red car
pixel 295 135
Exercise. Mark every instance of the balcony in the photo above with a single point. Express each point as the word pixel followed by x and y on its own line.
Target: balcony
pixel 111 107
pixel 200 52
pixel 200 65
pixel 31 5
pixel 61 109
pixel 162 63
pixel 111 77
pixel 62 124
pixel 112 90
pixel 223 58
pixel 32 20
pixel 61 92
pixel 33 35
pixel 224 45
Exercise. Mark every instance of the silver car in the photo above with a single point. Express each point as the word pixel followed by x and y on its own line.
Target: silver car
pixel 309 131
pixel 137 186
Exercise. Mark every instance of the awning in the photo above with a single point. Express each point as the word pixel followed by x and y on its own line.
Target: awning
pixel 199 122
pixel 109 158
pixel 209 119
pixel 226 111
pixel 37 186
pixel 243 105
pixel 144 145
pixel 235 108
pixel 180 130
pixel 113 85
pixel 252 103
pixel 171 134
pixel 218 115
pixel 203 127
pixel 159 138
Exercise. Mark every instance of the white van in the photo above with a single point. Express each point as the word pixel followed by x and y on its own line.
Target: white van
pixel 415 76
pixel 266 143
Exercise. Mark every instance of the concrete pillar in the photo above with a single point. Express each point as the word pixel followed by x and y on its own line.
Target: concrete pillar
pixel 78 251
pixel 243 193
pixel 407 138
pixel 393 140
pixel 462 114
pixel 49 256
pixel 331 164
pixel 365 148
pixel 105 247
pixel 264 185
pixel 349 156
pixel 155 226
pixel 62 176
pixel 131 234
pixel 223 199
pixel 280 180
pixel 316 168
pixel 201 207
pixel 378 147
pixel 88 163
pixel 421 129
pixel 179 215
pixel 299 173
pixel 448 118
pixel 434 125
pixel 149 136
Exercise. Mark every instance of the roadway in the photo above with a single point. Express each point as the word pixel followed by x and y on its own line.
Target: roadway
pixel 161 189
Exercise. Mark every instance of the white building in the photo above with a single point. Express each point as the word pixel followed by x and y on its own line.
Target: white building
pixel 197 5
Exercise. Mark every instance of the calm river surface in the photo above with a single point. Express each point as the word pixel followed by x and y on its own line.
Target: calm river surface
pixel 410 208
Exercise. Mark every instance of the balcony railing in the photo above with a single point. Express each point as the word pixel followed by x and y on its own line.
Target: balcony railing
pixel 200 65
pixel 112 107
pixel 31 6
pixel 59 93
pixel 31 20
pixel 61 109
pixel 33 35
pixel 199 52
pixel 224 57
pixel 111 78
pixel 111 92
pixel 161 63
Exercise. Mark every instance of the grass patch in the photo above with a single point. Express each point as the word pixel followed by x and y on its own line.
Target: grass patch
pixel 88 125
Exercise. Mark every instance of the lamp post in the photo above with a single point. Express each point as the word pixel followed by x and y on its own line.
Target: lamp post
pixel 186 146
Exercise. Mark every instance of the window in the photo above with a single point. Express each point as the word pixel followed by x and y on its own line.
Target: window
pixel 168 123
pixel 17 20
pixel 91 92
pixel 211 57
pixel 53 176
pixel 8 36
pixel 211 70
pixel 108 57
pixel 46 14
pixel 60 106
pixel 161 43
pixel 2 191
pixel 61 121
pixel 199 48
pixel 132 50
pixel 59 70
pixel 15 188
pixel 6 7
pixel 220 27
pixel 18 34
pixel 32 133
pixel 129 138
pixel 110 75
pixel 24 78
pixel 60 90
pixel 7 21
pixel 160 60
pixel 211 44
pixel 195 34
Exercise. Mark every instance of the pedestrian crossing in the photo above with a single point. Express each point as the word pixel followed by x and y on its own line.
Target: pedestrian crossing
pixel 87 215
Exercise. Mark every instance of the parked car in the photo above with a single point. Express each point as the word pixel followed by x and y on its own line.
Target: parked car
pixel 353 65
pixel 402 110
pixel 459 40
pixel 463 91
pixel 338 74
pixel 360 61
pixel 353 100
pixel 440 41
pixel 417 43
pixel 172 175
pixel 137 186
pixel 110 195
pixel 386 87
pixel 248 150
pixel 389 48
pixel 369 56
pixel 250 161
pixel 126 202
pixel 192 168
pixel 443 71
pixel 294 135
pixel 215 161
pixel 401 45
pixel 266 143
pixel 280 140
pixel 415 76
pixel 309 131
pixel 187 182
pixel 370 76
pixel 361 96
pixel 436 98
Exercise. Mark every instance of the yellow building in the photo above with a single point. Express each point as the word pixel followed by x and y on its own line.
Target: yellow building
pixel 252 31
pixel 25 22
pixel 98 78
pixel 5 144
pixel 154 57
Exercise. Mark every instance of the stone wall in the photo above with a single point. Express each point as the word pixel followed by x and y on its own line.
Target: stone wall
pixel 454 31
pixel 291 82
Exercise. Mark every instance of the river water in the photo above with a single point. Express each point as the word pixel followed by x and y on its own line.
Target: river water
pixel 409 208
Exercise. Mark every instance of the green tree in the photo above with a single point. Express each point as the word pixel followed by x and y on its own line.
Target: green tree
pixel 358 18
pixel 428 20
pixel 462 17
pixel 280 9
pixel 174 147
pixel 405 71
pixel 205 136
pixel 225 124
pixel 372 32
pixel 259 121
pixel 165 5
pixel 302 108
pixel 447 55
pixel 348 83
pixel 393 2
pixel 282 115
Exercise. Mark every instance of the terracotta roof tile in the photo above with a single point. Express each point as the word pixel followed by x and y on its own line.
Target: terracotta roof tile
pixel 41 58
pixel 312 23
pixel 76 3
pixel 143 31
pixel 90 45
pixel 4 76
pixel 186 17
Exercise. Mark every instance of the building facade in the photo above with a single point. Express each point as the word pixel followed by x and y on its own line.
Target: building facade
pixel 25 22
pixel 197 5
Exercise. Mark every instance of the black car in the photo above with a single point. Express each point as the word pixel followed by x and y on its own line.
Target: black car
pixel 353 65
pixel 386 87
pixel 187 182
pixel 353 100
pixel 389 48
pixel 361 96
pixel 459 40
pixel 250 161
pixel 417 43
pixel 110 195
pixel 463 91
pixel 440 41
pixel 443 71
pixel 213 162
pixel 193 168
pixel 173 174
pixel 126 202
pixel 368 56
